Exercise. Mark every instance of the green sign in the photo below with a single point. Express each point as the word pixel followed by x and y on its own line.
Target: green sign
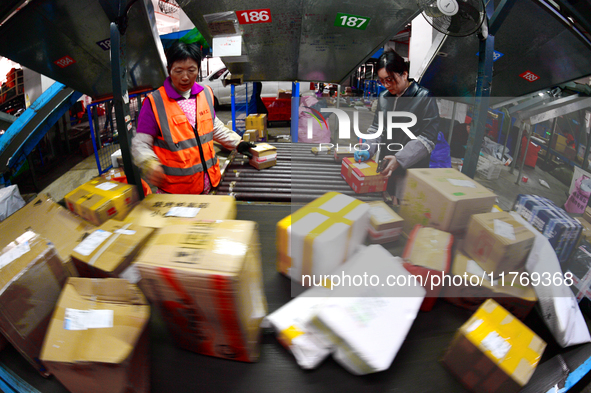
pixel 351 21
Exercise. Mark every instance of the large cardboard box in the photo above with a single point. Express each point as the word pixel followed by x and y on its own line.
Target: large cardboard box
pixel 110 249
pixel 99 200
pixel 158 210
pixel 97 341
pixel 384 224
pixel 206 279
pixel 498 242
pixel 50 221
pixel 321 235
pixel 428 253
pixel 363 176
pixel 263 156
pixel 442 198
pixel 32 275
pixel 494 351
pixel 471 286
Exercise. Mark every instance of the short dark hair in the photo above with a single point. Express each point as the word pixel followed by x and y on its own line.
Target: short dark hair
pixel 392 62
pixel 179 51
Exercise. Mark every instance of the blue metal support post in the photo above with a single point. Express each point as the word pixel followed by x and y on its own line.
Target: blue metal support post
pixel 295 105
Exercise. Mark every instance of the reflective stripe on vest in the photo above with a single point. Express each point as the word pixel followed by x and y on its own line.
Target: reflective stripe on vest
pixel 189 171
pixel 183 144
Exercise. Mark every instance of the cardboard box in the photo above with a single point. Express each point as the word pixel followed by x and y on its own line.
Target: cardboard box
pixel 110 249
pixel 474 287
pixel 442 198
pixel 384 224
pixel 343 152
pixel 206 279
pixel 250 136
pixel 263 156
pixel 498 242
pixel 428 253
pixel 585 231
pixel 256 121
pixel 158 210
pixel 113 173
pixel 115 158
pixel 321 150
pixel 100 200
pixel 363 176
pixel 587 214
pixel 558 143
pixel 283 95
pixel 32 275
pixel 494 351
pixel 321 235
pixel 43 216
pixel 98 337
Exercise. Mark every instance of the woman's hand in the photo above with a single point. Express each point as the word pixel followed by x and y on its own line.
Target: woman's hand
pixel 155 174
pixel 390 166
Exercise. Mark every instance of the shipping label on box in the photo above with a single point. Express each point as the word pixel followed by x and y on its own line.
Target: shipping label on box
pixel 498 242
pixel 206 278
pixel 32 275
pixel 100 200
pixel 363 177
pixel 110 249
pixel 517 299
pixel 442 198
pixel 321 235
pixel 158 210
pixel 384 224
pixel 97 340
pixel 494 351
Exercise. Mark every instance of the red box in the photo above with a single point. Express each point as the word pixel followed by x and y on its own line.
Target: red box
pixel 363 177
pixel 279 108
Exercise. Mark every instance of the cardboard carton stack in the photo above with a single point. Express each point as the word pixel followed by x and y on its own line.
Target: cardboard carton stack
pixel 363 176
pixel 100 200
pixel 321 235
pixel 206 279
pixel 442 198
pixel 97 340
pixel 494 351
pixel 32 275
pixel 384 224
pixel 554 223
pixel 110 249
pixel 263 156
pixel 258 122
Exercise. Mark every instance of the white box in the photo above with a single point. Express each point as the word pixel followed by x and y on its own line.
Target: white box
pixel 114 157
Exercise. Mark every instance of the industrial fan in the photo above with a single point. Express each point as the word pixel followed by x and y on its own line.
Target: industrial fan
pixel 458 18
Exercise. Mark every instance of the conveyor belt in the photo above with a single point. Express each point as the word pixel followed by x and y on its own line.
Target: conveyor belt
pixel 299 176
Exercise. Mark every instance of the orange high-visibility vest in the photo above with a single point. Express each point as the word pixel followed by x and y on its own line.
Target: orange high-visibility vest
pixel 183 156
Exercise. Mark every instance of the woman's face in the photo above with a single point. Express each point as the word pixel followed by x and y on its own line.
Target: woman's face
pixel 183 74
pixel 394 83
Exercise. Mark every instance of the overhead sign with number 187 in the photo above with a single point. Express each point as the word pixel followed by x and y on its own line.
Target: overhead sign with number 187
pixel 351 21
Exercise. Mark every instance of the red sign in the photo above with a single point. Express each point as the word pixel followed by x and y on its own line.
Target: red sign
pixel 254 16
pixel 529 76
pixel 64 61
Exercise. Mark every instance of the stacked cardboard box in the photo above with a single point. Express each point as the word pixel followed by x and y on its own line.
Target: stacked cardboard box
pixel 363 177
pixel 498 243
pixel 263 156
pixel 428 253
pixel 206 279
pixel 321 235
pixel 98 337
pixel 100 200
pixel 494 351
pixel 384 224
pixel 250 136
pixel 258 122
pixel 110 249
pixel 32 275
pixel 158 210
pixel 442 198
pixel 554 223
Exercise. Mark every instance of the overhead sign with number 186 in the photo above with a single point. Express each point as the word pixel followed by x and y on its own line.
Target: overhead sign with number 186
pixel 351 21
pixel 247 17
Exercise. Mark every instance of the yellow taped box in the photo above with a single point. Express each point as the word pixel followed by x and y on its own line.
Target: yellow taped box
pixel 442 198
pixel 321 235
pixel 158 210
pixel 493 351
pixel 206 277
pixel 98 339
pixel 110 249
pixel 363 177
pixel 264 156
pixel 517 299
pixel 257 121
pixel 100 200
pixel 384 224
pixel 498 242
pixel 32 275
